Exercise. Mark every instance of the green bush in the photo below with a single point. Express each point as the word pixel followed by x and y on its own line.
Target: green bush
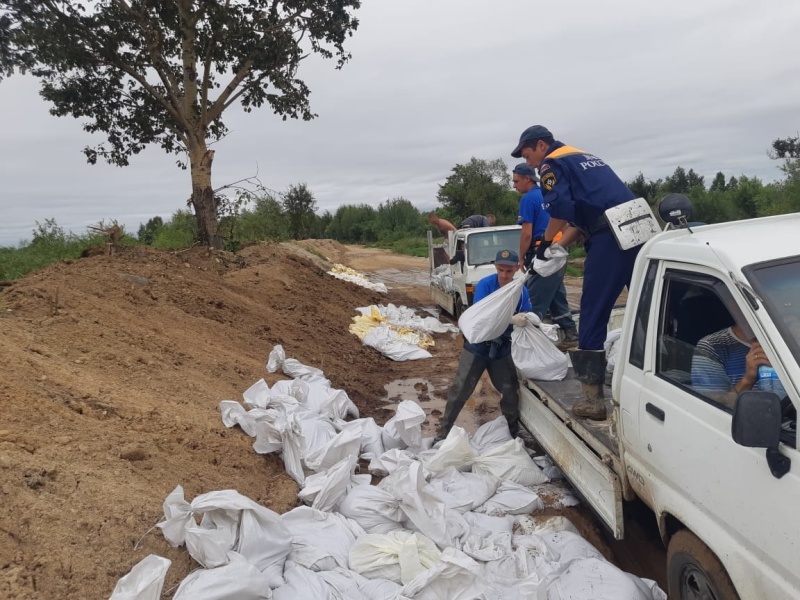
pixel 179 232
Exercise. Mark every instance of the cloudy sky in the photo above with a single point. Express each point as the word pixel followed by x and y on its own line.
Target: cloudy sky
pixel 647 86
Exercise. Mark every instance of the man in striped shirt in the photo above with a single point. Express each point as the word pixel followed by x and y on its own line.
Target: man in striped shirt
pixel 725 364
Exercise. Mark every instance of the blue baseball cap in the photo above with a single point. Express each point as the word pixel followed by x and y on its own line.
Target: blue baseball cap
pixel 506 257
pixel 524 169
pixel 529 137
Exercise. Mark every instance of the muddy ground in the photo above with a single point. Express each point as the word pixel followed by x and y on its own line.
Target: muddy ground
pixel 111 370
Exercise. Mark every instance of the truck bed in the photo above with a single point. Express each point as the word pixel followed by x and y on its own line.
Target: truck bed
pixel 586 451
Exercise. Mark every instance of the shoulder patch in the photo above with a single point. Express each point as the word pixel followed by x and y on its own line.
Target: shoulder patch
pixel 548 181
pixel 544 168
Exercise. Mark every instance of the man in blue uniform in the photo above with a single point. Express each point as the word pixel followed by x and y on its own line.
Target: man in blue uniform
pixel 545 292
pixel 493 356
pixel 578 188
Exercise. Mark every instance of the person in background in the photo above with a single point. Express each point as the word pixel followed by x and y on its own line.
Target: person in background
pixel 577 189
pixel 545 292
pixel 493 356
pixel 443 226
pixel 474 221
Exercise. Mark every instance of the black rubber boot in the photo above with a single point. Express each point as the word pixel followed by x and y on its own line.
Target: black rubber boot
pixel 590 370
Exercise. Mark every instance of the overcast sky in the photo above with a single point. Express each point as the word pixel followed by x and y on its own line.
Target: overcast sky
pixel 647 86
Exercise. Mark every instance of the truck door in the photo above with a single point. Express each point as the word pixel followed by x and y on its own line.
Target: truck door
pixel 693 469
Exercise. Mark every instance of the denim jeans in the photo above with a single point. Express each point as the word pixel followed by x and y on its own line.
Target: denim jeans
pixel 550 293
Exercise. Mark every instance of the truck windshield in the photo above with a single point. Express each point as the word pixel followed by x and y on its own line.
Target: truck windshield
pixel 482 247
pixel 778 284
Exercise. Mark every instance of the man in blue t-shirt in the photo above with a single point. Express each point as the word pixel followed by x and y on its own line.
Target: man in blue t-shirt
pixel 493 356
pixel 545 292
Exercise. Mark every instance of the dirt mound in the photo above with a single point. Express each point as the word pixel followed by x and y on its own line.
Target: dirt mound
pixel 112 371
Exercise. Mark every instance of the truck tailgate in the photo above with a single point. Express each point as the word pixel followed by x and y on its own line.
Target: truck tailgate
pixel 587 452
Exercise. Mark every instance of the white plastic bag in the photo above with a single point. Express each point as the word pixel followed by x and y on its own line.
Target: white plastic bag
pixel 257 395
pixel 387 463
pixel 456 577
pixel 511 499
pixel 398 556
pixel 324 490
pixel 612 346
pixel 491 434
pixel 320 541
pixel 489 318
pixel 236 580
pixel 404 429
pixel 510 462
pixel 455 451
pixel 556 256
pixel 535 355
pixel 144 581
pixel 376 510
pixel 464 491
pixel 344 444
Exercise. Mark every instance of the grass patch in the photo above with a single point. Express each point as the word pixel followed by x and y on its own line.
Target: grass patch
pixel 412 246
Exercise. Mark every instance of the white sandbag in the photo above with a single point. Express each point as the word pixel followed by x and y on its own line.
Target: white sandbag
pixel 489 318
pixel 491 434
pixel 456 577
pixel 344 444
pixel 320 541
pixel 344 583
pixel 324 490
pixel 394 345
pixel 269 439
pixel 317 432
pixel 303 584
pixel 144 581
pixel 511 499
pixel 598 579
pixel 231 522
pixel 463 491
pixel 612 346
pixel 489 538
pixel 387 463
pixel 276 358
pixel 398 555
pixel 379 589
pixel 328 402
pixel 292 446
pixel 371 436
pixel 236 580
pixel 510 462
pixel 555 259
pixel 233 413
pixel 424 511
pixel 548 467
pixel 376 510
pixel 404 429
pixel 455 451
pixel 535 356
pixel 257 395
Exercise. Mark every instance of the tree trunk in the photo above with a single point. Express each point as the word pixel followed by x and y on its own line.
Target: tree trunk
pixel 205 206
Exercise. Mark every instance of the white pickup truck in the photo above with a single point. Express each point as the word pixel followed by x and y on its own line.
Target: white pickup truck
pixel 452 286
pixel 720 472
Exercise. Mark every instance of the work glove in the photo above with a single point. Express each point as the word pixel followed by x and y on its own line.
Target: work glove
pixel 543 245
pixel 519 320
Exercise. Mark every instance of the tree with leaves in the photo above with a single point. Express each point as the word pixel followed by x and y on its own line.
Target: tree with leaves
pixel 299 206
pixel 476 188
pixel 163 72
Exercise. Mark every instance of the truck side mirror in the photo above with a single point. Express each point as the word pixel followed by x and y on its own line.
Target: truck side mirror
pixel 757 424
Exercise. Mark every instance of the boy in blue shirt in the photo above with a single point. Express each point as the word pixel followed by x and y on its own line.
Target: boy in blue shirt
pixel 493 356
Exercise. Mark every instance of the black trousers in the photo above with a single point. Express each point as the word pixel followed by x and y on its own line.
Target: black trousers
pixel 504 378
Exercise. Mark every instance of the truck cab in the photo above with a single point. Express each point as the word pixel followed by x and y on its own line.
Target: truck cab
pixel 452 285
pixel 720 468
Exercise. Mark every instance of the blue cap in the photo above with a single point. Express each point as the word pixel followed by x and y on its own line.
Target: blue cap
pixel 529 137
pixel 524 169
pixel 506 257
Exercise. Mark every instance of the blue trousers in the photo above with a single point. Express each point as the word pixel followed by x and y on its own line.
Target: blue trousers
pixel 550 293
pixel 607 271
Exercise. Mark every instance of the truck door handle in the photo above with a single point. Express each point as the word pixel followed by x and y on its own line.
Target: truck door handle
pixel 655 411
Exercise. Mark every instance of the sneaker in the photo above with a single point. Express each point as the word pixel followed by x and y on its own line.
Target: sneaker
pixel 569 340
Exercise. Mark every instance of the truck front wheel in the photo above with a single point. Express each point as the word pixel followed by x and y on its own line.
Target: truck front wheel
pixel 694 572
